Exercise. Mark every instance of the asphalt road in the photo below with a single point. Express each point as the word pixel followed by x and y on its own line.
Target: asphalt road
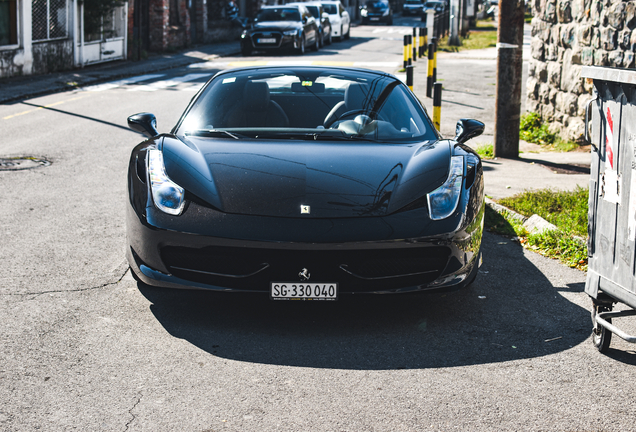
pixel 84 347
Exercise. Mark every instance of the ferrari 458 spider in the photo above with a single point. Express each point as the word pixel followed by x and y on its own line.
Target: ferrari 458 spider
pixel 304 183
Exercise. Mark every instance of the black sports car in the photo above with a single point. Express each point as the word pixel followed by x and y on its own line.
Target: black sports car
pixel 282 27
pixel 304 183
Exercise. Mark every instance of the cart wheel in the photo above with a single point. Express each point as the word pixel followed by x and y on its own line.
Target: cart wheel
pixel 601 337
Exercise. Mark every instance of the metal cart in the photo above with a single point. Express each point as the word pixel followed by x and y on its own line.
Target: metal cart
pixel 612 203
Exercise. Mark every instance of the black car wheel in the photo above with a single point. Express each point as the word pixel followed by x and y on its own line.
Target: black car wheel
pixel 322 39
pixel 329 38
pixel 348 34
pixel 246 51
pixel 316 45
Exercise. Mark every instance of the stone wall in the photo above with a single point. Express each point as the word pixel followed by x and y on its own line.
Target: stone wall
pixel 566 35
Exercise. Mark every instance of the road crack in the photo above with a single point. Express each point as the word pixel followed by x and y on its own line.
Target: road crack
pixel 104 285
pixel 130 411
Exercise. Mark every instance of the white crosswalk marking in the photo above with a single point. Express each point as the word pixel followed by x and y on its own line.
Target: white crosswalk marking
pixel 119 83
pixel 157 85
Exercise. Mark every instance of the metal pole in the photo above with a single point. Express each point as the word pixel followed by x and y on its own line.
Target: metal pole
pixel 416 43
pixel 509 70
pixel 423 41
pixel 429 76
pixel 409 50
pixel 437 105
pixel 406 51
pixel 434 59
pixel 453 39
pixel 409 76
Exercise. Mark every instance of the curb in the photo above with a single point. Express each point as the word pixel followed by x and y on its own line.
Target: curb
pixel 534 223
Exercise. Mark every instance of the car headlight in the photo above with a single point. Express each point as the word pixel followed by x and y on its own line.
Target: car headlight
pixel 364 12
pixel 386 12
pixel 443 201
pixel 166 194
pixel 290 32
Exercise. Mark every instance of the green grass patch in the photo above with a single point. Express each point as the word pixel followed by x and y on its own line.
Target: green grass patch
pixel 475 40
pixel 485 151
pixel 533 130
pixel 565 209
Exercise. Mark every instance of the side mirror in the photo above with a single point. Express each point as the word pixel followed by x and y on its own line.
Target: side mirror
pixel 467 129
pixel 145 123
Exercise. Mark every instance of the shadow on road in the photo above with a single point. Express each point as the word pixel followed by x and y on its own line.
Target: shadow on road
pixel 511 312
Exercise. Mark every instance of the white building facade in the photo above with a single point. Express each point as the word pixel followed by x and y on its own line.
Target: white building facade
pixel 42 36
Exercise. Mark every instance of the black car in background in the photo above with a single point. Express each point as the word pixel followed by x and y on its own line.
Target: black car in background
pixel 322 18
pixel 412 7
pixel 281 27
pixel 376 11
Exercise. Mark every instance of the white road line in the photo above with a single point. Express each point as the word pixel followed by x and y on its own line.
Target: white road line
pixel 119 83
pixel 158 85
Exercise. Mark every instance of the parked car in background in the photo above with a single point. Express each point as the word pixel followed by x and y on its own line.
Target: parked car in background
pixel 373 11
pixel 281 27
pixel 412 7
pixel 437 6
pixel 339 18
pixel 322 18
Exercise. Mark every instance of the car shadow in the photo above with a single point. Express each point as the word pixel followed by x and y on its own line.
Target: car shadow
pixel 512 311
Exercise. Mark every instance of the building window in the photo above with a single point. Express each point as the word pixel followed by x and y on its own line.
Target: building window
pixel 50 19
pixel 8 22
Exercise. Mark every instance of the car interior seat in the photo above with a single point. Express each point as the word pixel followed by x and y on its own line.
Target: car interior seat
pixel 354 98
pixel 256 109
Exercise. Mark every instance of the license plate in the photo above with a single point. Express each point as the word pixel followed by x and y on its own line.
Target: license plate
pixel 375 19
pixel 303 291
pixel 266 40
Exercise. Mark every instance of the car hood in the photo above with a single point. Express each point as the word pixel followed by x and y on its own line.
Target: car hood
pixel 335 179
pixel 275 26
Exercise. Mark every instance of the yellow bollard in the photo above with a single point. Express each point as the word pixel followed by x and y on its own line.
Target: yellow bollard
pixel 406 51
pixel 429 76
pixel 437 105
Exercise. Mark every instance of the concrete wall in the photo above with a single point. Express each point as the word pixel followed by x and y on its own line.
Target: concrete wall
pixel 53 56
pixel 567 34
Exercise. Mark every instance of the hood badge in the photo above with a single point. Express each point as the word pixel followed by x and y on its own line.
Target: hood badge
pixel 305 209
pixel 304 275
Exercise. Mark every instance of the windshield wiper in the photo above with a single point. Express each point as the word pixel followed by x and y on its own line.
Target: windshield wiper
pixel 213 133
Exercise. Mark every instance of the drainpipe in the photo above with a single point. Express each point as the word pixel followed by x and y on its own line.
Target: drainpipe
pixel 82 34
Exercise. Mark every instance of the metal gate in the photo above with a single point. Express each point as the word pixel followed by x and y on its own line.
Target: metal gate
pixel 612 203
pixel 104 40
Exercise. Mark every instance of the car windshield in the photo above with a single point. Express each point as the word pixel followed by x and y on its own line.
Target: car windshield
pixel 279 14
pixel 376 4
pixel 414 2
pixel 331 9
pixel 433 4
pixel 307 103
pixel 314 11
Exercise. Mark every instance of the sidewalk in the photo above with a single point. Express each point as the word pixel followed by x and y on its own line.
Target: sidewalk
pixel 12 89
pixel 469 86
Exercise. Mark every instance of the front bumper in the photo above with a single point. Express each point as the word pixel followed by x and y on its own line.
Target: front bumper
pixel 178 259
pixel 281 41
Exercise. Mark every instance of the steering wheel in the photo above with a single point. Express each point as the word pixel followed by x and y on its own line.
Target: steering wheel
pixel 373 114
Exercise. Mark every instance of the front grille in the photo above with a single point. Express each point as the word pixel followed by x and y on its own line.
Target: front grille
pixel 355 270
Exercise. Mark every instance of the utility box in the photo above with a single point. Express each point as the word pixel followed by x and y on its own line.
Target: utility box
pixel 610 127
